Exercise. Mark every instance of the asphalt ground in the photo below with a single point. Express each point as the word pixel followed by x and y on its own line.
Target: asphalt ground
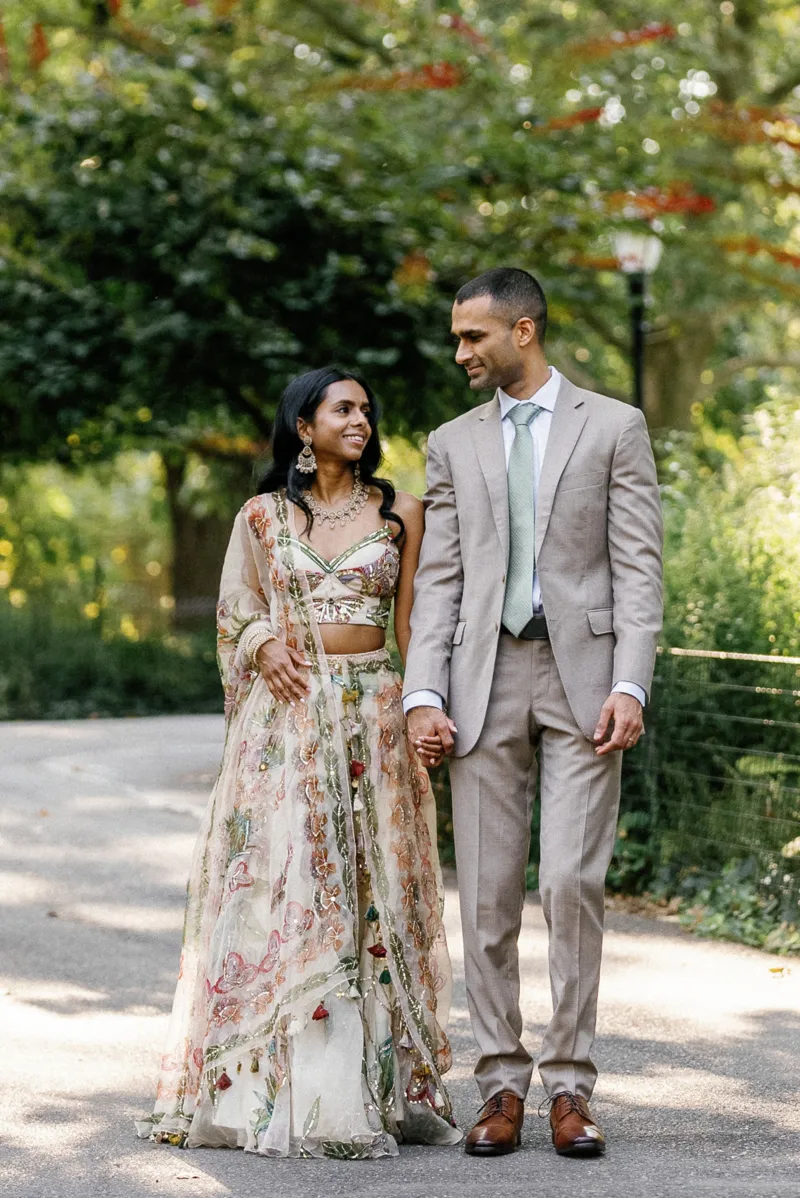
pixel 698 1042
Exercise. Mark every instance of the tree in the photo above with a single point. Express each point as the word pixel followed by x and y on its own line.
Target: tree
pixel 359 160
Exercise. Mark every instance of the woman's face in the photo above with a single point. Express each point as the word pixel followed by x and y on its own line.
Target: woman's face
pixel 340 427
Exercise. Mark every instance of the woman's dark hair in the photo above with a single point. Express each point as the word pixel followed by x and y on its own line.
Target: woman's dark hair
pixel 301 399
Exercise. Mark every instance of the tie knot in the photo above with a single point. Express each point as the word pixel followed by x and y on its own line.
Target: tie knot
pixel 523 413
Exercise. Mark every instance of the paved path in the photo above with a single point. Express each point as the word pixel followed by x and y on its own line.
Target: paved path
pixel 699 1045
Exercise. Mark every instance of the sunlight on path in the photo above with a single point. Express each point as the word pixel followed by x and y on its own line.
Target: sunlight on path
pixel 699 1044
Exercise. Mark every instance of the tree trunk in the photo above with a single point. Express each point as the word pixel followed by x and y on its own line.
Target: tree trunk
pixel 675 357
pixel 199 542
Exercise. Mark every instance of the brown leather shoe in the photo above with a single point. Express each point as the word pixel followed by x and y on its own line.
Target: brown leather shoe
pixel 499 1126
pixel 575 1132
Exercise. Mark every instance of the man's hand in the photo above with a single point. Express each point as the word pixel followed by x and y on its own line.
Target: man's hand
pixel 620 724
pixel 431 733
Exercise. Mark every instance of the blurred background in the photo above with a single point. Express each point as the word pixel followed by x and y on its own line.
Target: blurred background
pixel 200 200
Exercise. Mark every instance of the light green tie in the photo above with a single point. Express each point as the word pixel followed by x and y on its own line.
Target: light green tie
pixel 518 603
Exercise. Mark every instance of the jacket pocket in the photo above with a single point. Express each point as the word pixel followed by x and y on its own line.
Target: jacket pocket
pixel 601 620
pixel 575 480
pixel 458 635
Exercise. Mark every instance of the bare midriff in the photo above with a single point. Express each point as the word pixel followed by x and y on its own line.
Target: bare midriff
pixel 343 640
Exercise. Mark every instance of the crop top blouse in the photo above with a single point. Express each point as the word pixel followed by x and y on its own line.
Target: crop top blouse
pixel 358 586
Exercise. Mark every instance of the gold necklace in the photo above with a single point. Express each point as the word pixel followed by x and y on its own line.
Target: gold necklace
pixel 348 511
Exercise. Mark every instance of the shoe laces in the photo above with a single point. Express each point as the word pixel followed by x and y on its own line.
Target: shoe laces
pixel 574 1104
pixel 494 1106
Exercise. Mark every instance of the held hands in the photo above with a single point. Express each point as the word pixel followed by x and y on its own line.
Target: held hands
pixel 620 724
pixel 281 668
pixel 431 733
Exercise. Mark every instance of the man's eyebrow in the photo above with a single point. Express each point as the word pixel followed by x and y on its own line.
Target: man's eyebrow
pixel 466 333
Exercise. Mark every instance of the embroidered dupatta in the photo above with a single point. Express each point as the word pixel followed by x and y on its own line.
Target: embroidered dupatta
pixel 271 923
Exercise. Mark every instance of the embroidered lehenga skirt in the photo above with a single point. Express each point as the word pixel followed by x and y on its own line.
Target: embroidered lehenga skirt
pixel 314 977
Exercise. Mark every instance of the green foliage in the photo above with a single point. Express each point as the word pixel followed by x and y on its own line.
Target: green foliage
pixel 739 904
pixel 732 546
pixel 179 271
pixel 89 546
pixel 632 864
pixel 67 671
pixel 199 202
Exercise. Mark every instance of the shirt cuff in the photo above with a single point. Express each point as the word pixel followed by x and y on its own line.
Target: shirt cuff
pixel 630 688
pixel 422 699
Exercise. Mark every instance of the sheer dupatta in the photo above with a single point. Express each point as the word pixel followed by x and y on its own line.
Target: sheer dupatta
pixel 272 911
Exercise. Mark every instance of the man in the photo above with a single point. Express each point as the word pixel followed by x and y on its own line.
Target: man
pixel 537 608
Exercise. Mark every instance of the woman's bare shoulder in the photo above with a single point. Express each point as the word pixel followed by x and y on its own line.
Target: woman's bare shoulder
pixel 407 505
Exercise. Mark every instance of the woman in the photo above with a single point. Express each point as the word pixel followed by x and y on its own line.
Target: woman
pixel 314 977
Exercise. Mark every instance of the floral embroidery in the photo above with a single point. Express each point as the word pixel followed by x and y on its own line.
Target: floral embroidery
pixel 319 815
pixel 234 973
pixel 240 878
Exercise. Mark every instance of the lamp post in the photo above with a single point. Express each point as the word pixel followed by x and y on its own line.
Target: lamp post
pixel 638 255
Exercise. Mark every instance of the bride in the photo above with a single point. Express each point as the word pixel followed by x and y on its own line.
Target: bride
pixel 314 980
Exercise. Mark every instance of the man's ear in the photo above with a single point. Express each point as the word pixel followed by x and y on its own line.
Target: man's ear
pixel 525 330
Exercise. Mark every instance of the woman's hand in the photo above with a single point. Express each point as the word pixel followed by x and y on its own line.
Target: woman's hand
pixel 281 669
pixel 429 750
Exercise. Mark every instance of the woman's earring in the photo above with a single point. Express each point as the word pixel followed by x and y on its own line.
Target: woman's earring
pixel 306 462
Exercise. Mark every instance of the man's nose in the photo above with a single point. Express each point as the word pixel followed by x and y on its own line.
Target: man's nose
pixel 463 354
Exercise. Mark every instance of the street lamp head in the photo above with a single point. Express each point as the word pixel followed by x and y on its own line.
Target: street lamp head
pixel 637 253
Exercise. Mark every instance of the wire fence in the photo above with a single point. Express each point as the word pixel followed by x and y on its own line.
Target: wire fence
pixel 718 781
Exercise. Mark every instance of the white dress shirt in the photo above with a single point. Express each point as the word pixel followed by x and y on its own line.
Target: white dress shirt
pixel 539 431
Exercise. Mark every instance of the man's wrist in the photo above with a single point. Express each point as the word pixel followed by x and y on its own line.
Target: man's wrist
pixel 422 698
pixel 630 688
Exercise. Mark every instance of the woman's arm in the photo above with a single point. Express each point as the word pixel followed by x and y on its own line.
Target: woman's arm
pixel 410 510
pixel 246 639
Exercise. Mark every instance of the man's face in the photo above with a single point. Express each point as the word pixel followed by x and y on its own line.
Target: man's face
pixel 487 348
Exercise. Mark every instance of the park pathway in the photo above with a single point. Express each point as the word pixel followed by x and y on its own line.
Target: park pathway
pixel 699 1043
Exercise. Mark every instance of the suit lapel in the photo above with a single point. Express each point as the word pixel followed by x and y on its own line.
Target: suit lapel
pixel 569 418
pixel 487 435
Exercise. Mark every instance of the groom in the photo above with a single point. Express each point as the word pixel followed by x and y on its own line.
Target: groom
pixel 536 614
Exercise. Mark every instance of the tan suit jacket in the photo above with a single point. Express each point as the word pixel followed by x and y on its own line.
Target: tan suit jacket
pixel 598 555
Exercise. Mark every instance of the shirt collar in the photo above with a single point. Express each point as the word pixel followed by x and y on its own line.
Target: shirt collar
pixel 545 397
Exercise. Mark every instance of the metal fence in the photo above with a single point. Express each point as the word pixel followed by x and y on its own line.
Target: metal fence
pixel 719 774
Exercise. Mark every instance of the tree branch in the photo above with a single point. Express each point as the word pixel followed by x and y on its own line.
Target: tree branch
pixel 243 403
pixel 782 89
pixel 728 370
pixel 345 28
pixel 595 322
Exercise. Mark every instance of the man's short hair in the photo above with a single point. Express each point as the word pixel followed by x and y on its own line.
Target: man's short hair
pixel 515 292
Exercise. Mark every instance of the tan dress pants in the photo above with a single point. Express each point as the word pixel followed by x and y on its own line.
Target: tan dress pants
pixel 493 791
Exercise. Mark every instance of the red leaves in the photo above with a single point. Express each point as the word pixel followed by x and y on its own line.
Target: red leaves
pixel 748 125
pixel 39 49
pixel 678 197
pixel 585 116
pixel 592 263
pixel 414 271
pixel 321 1012
pixel 224 1082
pixel 754 245
pixel 377 950
pixel 357 769
pixel 5 65
pixel 431 76
pixel 622 39
pixel 457 23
